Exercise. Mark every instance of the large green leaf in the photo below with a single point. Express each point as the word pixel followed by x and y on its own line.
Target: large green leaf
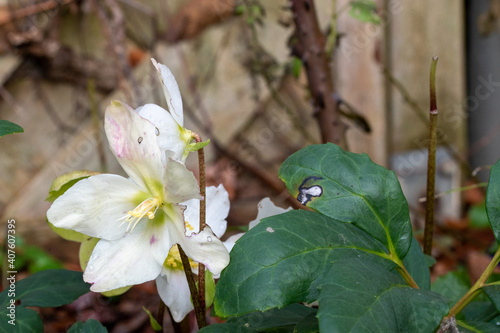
pixel 363 296
pixel 351 188
pixel 6 127
pixel 452 285
pixel 416 263
pixel 291 318
pixel 90 326
pixel 283 259
pixel 493 292
pixel 493 200
pixel 53 287
pixel 25 321
pixel 477 327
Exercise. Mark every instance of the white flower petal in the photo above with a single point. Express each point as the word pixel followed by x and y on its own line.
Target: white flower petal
pixel 217 209
pixel 95 205
pixel 229 243
pixel 204 248
pixel 135 258
pixel 171 91
pixel 179 183
pixel 267 208
pixel 169 133
pixel 174 291
pixel 133 142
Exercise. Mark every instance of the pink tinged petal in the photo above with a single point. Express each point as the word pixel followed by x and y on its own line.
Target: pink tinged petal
pixel 171 91
pixel 267 208
pixel 204 248
pixel 168 131
pixel 132 140
pixel 179 183
pixel 174 291
pixel 94 206
pixel 130 260
pixel 217 210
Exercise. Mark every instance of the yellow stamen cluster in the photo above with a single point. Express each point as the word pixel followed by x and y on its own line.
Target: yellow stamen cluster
pixel 188 226
pixel 174 259
pixel 146 208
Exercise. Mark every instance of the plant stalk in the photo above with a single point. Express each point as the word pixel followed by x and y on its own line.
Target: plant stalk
pixel 199 311
pixel 431 163
pixel 475 290
pixel 201 267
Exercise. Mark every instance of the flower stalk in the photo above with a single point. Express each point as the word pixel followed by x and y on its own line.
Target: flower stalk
pixel 431 163
pixel 199 311
pixel 201 267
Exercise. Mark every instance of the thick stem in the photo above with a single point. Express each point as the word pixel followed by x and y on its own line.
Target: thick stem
pixel 201 267
pixel 199 311
pixel 310 47
pixel 475 290
pixel 431 164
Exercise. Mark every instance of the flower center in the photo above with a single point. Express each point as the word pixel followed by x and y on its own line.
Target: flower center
pixel 174 259
pixel 147 207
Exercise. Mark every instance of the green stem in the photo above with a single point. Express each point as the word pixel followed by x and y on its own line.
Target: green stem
pixel 332 37
pixel 199 311
pixel 431 165
pixel 475 290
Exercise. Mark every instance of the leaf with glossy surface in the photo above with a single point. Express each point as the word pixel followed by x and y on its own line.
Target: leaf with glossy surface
pixel 493 200
pixel 283 259
pixel 292 318
pixel 363 296
pixel 53 287
pixel 351 188
pixel 417 265
pixel 7 127
pixel 25 320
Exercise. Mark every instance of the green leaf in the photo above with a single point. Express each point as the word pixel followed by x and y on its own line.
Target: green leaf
pixel 452 285
pixel 493 292
pixel 282 260
pixel 26 321
pixel 152 320
pixel 261 321
pixel 477 327
pixel 59 186
pixel 363 296
pixel 351 188
pixel 90 326
pixel 365 11
pixel 493 200
pixel 291 318
pixel 6 127
pixel 195 146
pixel 296 66
pixel 416 264
pixel 226 328
pixel 62 183
pixel 53 287
pixel 478 217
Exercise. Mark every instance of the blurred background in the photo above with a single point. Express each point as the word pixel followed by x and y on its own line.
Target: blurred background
pixel 63 61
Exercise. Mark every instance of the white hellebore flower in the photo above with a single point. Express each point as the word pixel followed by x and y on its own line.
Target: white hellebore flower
pixel 266 208
pixel 139 219
pixel 172 284
pixel 169 123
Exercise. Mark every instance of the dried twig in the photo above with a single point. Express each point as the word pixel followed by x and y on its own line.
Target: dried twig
pixel 310 47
